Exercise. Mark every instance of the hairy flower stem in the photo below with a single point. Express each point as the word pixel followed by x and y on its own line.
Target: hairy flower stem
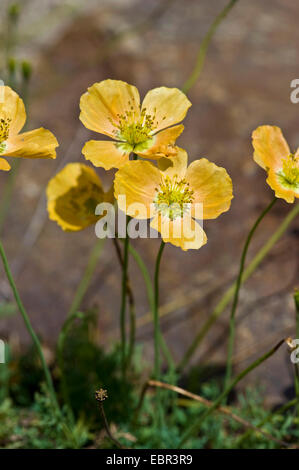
pixel 229 293
pixel 157 333
pixel 195 427
pixel 139 27
pixel 296 380
pixel 232 323
pixel 296 299
pixel 9 184
pixel 107 428
pixel 124 300
pixel 30 329
pixel 151 300
pixel 124 294
pixel 101 396
pixel 132 308
pixel 10 39
pixel 204 47
pixel 156 313
pixel 8 188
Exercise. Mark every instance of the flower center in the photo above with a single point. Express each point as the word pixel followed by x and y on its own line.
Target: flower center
pixel 134 131
pixel 79 203
pixel 289 175
pixel 173 197
pixel 4 131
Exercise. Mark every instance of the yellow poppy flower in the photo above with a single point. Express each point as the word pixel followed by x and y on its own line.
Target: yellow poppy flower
pixel 39 143
pixel 112 107
pixel 73 195
pixel 273 154
pixel 170 195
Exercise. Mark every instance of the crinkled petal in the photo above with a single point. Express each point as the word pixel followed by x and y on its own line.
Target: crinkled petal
pixel 163 143
pixel 212 188
pixel 270 147
pixel 184 232
pixel 174 166
pixel 4 165
pixel 135 188
pixel 104 102
pixel 12 109
pixel 39 143
pixel 167 106
pixel 73 195
pixel 105 154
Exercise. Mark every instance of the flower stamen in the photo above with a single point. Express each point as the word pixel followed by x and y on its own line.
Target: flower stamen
pixel 173 198
pixel 134 132
pixel 289 175
pixel 4 132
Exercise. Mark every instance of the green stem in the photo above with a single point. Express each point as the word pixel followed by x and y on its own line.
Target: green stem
pixel 139 27
pixel 151 300
pixel 87 276
pixel 7 192
pixel 10 182
pixel 11 36
pixel 204 47
pixel 296 380
pixel 232 323
pixel 30 329
pixel 125 263
pixel 124 299
pixel 157 337
pixel 156 314
pixel 296 299
pixel 132 309
pixel 145 274
pixel 229 293
pixel 132 335
pixel 194 428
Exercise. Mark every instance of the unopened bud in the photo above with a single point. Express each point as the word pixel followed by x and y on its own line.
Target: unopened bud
pixel 14 12
pixel 12 65
pixel 26 68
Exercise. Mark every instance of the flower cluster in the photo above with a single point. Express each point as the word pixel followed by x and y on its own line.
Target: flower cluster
pixel 157 178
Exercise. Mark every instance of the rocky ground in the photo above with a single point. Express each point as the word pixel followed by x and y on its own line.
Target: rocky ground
pixel 245 83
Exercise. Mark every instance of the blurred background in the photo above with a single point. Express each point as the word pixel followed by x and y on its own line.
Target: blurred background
pixel 245 83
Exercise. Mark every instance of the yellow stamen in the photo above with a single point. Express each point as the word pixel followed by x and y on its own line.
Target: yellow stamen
pixel 135 132
pixel 4 132
pixel 289 175
pixel 173 197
